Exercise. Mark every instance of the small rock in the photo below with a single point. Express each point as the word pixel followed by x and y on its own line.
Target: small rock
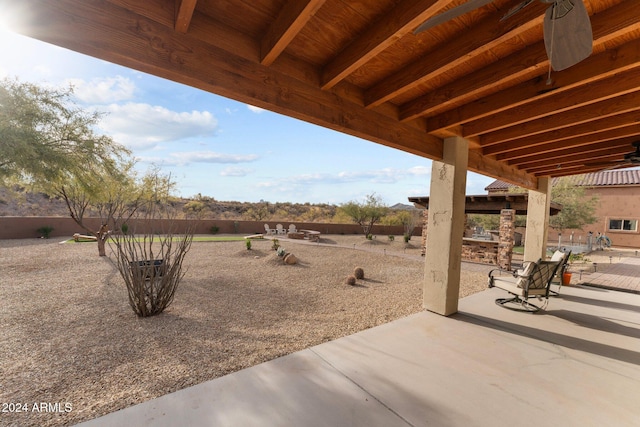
pixel 290 259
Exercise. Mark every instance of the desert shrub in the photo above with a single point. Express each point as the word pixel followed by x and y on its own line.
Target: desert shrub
pixel 214 229
pixel 248 244
pixel 350 280
pixel 358 273
pixel 151 266
pixel 391 237
pixel 275 244
pixel 407 237
pixel 124 227
pixel 45 231
pixel 369 236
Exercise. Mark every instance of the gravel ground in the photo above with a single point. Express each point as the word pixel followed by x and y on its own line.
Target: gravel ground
pixel 70 340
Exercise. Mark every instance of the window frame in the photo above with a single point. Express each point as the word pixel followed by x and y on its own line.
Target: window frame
pixel 622 222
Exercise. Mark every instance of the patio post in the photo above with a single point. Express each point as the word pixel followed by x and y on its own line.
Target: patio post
pixel 535 244
pixel 446 228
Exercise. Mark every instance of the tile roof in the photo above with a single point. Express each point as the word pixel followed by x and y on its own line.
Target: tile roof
pixel 595 179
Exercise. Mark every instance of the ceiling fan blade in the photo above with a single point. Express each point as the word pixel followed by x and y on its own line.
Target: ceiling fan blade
pixel 515 9
pixel 568 37
pixel 451 14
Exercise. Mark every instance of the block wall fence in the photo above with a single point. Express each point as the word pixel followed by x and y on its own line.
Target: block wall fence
pixel 26 227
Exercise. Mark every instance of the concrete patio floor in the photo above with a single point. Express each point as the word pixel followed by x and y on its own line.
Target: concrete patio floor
pixel 576 364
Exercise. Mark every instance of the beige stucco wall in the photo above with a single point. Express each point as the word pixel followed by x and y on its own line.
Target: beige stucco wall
pixel 614 203
pixel 25 227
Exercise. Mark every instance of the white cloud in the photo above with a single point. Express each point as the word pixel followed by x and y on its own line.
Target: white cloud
pixel 235 172
pixel 143 126
pixel 256 110
pixel 103 90
pixel 381 176
pixel 184 158
pixel 419 170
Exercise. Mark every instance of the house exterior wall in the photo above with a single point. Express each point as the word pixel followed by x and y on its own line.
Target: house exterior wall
pixel 614 202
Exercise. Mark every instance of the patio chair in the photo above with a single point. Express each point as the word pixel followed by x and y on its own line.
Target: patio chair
pixel 563 258
pixel 280 229
pixel 269 231
pixel 533 281
pixel 292 228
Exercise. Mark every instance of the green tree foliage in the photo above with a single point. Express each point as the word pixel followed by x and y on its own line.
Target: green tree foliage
pixel 366 214
pixel 409 219
pixel 577 210
pixel 45 137
pixel 113 196
pixel 488 222
pixel 257 213
pixel 48 141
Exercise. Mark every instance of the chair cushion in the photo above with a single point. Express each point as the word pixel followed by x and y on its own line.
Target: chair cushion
pixel 528 269
pixel 557 256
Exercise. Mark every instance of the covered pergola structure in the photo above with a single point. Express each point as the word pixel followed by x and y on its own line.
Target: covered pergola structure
pixel 474 93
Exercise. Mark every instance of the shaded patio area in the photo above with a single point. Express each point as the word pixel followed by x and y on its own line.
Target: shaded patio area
pixel 576 364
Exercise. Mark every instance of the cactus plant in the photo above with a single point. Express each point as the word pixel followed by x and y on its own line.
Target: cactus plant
pixel 358 273
pixel 350 280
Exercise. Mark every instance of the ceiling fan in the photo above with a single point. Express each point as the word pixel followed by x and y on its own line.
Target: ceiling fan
pixel 568 37
pixel 630 159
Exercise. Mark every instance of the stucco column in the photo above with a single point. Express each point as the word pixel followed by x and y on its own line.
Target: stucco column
pixel 535 244
pixel 446 227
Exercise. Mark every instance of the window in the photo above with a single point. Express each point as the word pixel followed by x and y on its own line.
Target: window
pixel 623 224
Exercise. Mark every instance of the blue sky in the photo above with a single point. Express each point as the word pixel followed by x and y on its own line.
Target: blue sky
pixel 219 147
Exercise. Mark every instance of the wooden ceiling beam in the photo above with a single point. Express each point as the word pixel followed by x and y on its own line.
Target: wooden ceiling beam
pixel 601 160
pixel 606 25
pixel 607 108
pixel 578 155
pixel 161 11
pixel 593 68
pixel 556 103
pixel 120 36
pixel 579 170
pixel 485 36
pixel 532 153
pixel 500 170
pixel 401 20
pixel 565 134
pixel 531 60
pixel 291 19
pixel 184 13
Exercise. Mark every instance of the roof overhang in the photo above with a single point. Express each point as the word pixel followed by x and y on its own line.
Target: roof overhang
pixel 491 204
pixel 358 68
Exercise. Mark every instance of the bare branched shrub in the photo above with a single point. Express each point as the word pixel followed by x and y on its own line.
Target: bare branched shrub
pixel 150 256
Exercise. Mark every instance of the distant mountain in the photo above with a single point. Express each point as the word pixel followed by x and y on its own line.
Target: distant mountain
pixel 402 207
pixel 19 202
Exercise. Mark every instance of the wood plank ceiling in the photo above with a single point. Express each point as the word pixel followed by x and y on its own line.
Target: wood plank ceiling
pixel 357 67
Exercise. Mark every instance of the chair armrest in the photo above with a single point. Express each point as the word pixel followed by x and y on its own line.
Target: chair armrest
pixel 500 271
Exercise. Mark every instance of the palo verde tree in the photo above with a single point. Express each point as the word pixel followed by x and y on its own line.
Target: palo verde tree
pixel 578 210
pixel 366 214
pixel 47 141
pixel 409 219
pixel 45 136
pixel 112 197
